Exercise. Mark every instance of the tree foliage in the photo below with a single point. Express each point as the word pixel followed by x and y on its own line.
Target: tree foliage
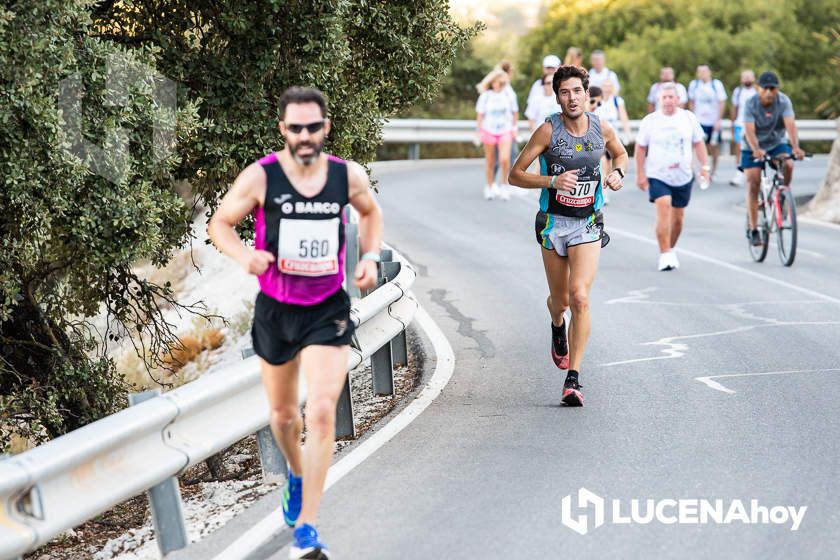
pixel 70 236
pixel 640 36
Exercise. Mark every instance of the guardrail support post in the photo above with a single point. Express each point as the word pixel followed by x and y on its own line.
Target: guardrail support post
pixel 351 255
pixel 414 151
pixel 272 461
pixel 165 501
pixel 381 361
pixel 344 412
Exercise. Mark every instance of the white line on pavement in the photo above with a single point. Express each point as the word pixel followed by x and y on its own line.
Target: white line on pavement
pixel 730 266
pixel 718 387
pixel 273 523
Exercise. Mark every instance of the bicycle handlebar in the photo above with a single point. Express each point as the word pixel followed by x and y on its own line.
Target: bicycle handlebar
pixel 783 157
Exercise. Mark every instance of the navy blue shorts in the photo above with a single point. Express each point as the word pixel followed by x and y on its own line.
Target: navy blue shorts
pixel 748 160
pixel 679 195
pixel 708 131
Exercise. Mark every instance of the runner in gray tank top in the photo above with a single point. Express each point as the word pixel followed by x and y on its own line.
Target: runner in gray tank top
pixel 569 225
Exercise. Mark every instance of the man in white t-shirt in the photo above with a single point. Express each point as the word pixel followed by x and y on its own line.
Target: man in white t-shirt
pixel 550 65
pixel 599 73
pixel 707 98
pixel 740 96
pixel 664 147
pixel 666 74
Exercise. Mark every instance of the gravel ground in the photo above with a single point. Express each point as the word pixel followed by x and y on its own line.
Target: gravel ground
pixel 213 494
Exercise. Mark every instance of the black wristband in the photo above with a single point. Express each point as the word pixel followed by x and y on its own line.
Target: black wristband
pixel 620 171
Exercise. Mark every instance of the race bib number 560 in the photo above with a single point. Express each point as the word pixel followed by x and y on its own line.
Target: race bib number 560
pixel 582 195
pixel 308 247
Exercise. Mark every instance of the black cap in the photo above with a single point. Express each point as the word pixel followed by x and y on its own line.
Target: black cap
pixel 768 79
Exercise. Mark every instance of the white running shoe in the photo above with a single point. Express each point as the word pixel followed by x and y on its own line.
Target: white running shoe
pixel 675 262
pixel 488 192
pixel 665 262
pixel 504 192
pixel 738 179
pixel 496 190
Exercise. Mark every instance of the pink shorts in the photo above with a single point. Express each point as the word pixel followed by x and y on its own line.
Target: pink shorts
pixel 494 139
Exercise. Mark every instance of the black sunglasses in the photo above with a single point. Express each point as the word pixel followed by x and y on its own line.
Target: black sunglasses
pixel 595 102
pixel 311 128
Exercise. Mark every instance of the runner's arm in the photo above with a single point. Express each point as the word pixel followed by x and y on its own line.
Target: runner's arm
pixel 619 156
pixel 703 158
pixel 370 223
pixel 536 145
pixel 246 194
pixel 793 136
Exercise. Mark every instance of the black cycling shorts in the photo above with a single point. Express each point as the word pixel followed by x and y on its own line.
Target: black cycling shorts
pixel 281 330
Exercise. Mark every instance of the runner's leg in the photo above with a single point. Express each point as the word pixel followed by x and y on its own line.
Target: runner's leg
pixel 325 368
pixel 663 223
pixel 583 264
pixel 788 171
pixel 489 162
pixel 677 215
pixel 281 386
pixel 504 157
pixel 557 276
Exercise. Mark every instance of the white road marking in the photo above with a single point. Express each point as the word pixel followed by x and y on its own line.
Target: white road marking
pixel 730 266
pixel 272 524
pixel 809 252
pixel 708 380
pixel 814 222
pixel 678 350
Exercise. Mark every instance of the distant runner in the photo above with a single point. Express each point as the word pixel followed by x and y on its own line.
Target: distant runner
pixel 664 146
pixel 569 224
pixel 302 314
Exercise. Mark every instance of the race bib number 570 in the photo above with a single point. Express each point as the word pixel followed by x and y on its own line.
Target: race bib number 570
pixel 582 195
pixel 308 247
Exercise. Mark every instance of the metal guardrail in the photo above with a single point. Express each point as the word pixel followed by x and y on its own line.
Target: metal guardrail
pixel 69 480
pixel 417 131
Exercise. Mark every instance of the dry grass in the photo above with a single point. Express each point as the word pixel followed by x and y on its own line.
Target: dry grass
pixel 192 349
pixel 175 272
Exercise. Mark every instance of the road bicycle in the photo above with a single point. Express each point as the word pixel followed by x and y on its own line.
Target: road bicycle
pixel 776 212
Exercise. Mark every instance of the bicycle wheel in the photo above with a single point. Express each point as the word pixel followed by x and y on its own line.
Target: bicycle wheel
pixel 758 252
pixel 786 221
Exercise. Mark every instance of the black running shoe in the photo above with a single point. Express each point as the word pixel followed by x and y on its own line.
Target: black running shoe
pixel 571 393
pixel 559 346
pixel 755 238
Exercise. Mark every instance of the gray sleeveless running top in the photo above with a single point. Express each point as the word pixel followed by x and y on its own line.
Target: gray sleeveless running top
pixel 566 152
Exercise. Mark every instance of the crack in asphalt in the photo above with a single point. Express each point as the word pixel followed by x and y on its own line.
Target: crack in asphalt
pixel 465 324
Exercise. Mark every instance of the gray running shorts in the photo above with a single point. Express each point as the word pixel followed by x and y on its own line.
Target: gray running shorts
pixel 561 232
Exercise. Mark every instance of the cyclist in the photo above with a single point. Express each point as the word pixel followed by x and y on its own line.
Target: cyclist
pixel 767 116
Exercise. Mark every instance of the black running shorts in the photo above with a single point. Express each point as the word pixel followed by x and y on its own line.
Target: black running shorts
pixel 281 330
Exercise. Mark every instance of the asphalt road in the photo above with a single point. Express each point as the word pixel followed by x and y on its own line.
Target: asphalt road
pixel 482 473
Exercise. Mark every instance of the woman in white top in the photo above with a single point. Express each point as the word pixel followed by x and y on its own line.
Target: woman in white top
pixel 544 105
pixel 496 122
pixel 613 111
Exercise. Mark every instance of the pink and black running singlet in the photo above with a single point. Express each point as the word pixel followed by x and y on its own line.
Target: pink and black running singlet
pixel 305 235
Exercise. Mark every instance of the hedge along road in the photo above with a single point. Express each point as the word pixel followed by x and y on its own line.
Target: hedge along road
pixel 715 382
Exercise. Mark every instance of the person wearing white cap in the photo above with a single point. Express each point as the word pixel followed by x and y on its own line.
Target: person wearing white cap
pixel 550 65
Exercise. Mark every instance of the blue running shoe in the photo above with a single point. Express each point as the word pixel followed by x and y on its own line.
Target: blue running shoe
pixel 292 498
pixel 307 545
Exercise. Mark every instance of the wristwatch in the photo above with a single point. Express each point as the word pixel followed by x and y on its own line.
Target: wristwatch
pixel 620 172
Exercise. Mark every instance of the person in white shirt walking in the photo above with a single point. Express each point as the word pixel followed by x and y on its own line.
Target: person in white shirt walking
pixel 740 96
pixel 497 115
pixel 664 147
pixel 707 99
pixel 550 65
pixel 613 111
pixel 544 106
pixel 599 73
pixel 666 74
